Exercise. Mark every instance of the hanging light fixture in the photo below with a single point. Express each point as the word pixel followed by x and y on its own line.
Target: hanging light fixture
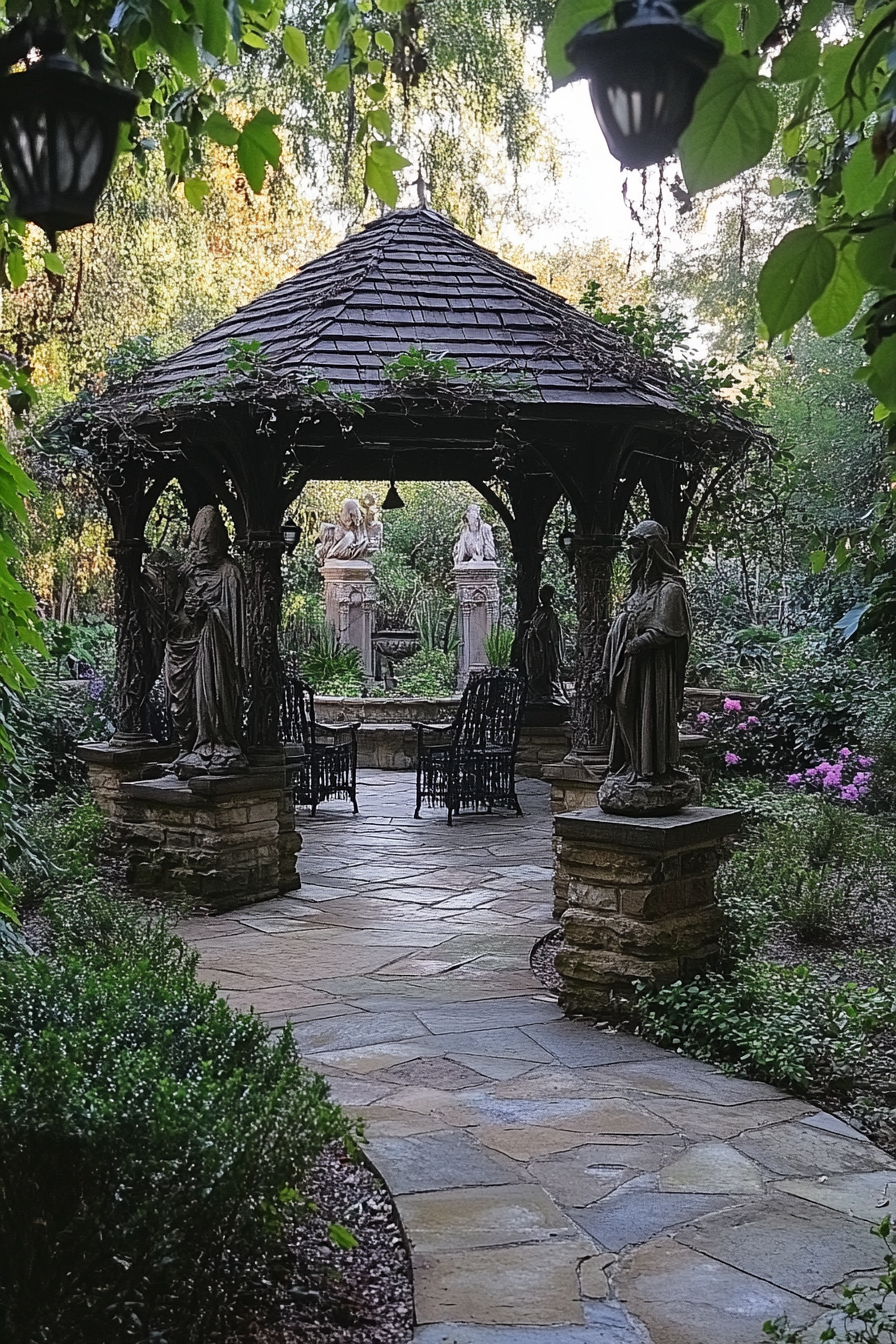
pixel 393 499
pixel 644 77
pixel 58 132
pixel 290 532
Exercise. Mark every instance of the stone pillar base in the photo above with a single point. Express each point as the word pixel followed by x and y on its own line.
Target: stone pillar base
pixel 110 765
pixel 215 841
pixel 575 782
pixel 636 900
pixel 350 603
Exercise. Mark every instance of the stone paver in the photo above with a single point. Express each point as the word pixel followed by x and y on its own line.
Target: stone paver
pixel 558 1184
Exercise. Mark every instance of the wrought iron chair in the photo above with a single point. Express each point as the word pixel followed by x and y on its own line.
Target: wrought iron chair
pixel 471 762
pixel 328 763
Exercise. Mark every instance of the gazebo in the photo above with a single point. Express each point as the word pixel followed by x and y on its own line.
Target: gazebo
pixel 302 384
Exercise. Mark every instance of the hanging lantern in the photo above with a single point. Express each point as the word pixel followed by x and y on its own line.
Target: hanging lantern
pixel 644 77
pixel 393 499
pixel 290 532
pixel 58 137
pixel 567 543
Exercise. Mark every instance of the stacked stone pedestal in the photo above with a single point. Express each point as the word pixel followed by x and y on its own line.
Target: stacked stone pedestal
pixel 478 612
pixel 350 603
pixel 212 841
pixel 636 899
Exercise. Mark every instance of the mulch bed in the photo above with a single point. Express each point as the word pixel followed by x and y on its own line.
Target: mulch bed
pixel 333 1296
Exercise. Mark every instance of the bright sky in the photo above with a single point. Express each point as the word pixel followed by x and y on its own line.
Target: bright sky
pixel 587 201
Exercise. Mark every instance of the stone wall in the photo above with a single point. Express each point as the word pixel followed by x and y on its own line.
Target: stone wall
pixel 393 746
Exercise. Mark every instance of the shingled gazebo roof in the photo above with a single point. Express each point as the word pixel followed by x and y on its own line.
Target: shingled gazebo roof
pixel 412 279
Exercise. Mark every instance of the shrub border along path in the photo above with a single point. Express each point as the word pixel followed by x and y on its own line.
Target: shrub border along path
pixel 558 1184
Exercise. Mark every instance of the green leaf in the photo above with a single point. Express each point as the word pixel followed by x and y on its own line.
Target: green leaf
pixel 818 560
pixel 175 40
pixel 339 78
pixel 212 19
pixel 876 257
pixel 258 146
pixel 762 15
pixel 379 120
pixel 379 171
pixel 53 262
pixel 840 302
pixel 254 40
pixel 341 1237
pixel 385 40
pixel 569 17
pixel 860 181
pixel 220 129
pixel 391 6
pixel 847 109
pixel 796 273
pixel 733 127
pixel 296 47
pixel 814 12
pixel 16 268
pixel 196 191
pixel 799 59
pixel 881 375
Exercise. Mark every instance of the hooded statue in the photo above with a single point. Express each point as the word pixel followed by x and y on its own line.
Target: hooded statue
pixel 207 651
pixel 643 668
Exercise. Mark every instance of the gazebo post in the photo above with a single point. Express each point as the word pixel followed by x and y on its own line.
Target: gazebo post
pixel 593 554
pixel 131 691
pixel 264 551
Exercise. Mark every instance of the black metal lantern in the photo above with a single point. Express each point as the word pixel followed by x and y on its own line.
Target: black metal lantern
pixel 644 77
pixel 290 532
pixel 58 136
pixel 567 543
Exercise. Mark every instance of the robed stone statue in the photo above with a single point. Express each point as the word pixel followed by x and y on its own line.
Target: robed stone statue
pixel 643 670
pixel 543 652
pixel 201 608
pixel 349 537
pixel 476 542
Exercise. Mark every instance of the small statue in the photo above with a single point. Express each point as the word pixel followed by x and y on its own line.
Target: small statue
pixel 643 669
pixel 372 525
pixel 201 602
pixel 543 649
pixel 346 539
pixel 476 542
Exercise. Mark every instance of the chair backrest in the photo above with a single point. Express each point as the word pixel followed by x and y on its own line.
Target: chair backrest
pixel 297 712
pixel 491 709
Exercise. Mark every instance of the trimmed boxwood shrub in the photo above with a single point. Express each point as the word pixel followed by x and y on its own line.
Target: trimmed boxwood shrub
pixel 153 1142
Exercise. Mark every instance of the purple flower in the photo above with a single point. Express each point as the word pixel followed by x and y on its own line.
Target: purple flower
pixel 866 760
pixel 703 720
pixel 832 780
pixel 753 721
pixel 731 706
pixel 844 753
pixel 794 780
pixel 743 727
pixel 731 758
pixel 95 687
pixel 860 778
pixel 813 772
pixel 850 794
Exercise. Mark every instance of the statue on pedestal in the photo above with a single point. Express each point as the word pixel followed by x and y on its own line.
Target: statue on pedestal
pixel 476 542
pixel 199 604
pixel 372 525
pixel 349 538
pixel 643 671
pixel 543 652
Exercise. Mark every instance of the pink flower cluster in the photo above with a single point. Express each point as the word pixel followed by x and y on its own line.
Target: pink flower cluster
pixel 848 777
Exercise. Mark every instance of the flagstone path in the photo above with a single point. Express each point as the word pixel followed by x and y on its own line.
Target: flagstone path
pixel 558 1184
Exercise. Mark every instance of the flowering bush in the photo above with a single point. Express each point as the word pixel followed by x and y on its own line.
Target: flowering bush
pixel 737 740
pixel 848 777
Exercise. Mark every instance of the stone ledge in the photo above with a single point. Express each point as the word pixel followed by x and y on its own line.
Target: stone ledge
pixel 693 826
pixel 106 753
pixel 192 792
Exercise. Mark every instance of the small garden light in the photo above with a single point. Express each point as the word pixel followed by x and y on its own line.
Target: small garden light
pixel 644 77
pixel 58 133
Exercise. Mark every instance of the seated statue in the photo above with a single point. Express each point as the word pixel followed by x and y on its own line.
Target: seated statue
pixel 346 539
pixel 476 542
pixel 643 672
pixel 543 652
pixel 200 602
